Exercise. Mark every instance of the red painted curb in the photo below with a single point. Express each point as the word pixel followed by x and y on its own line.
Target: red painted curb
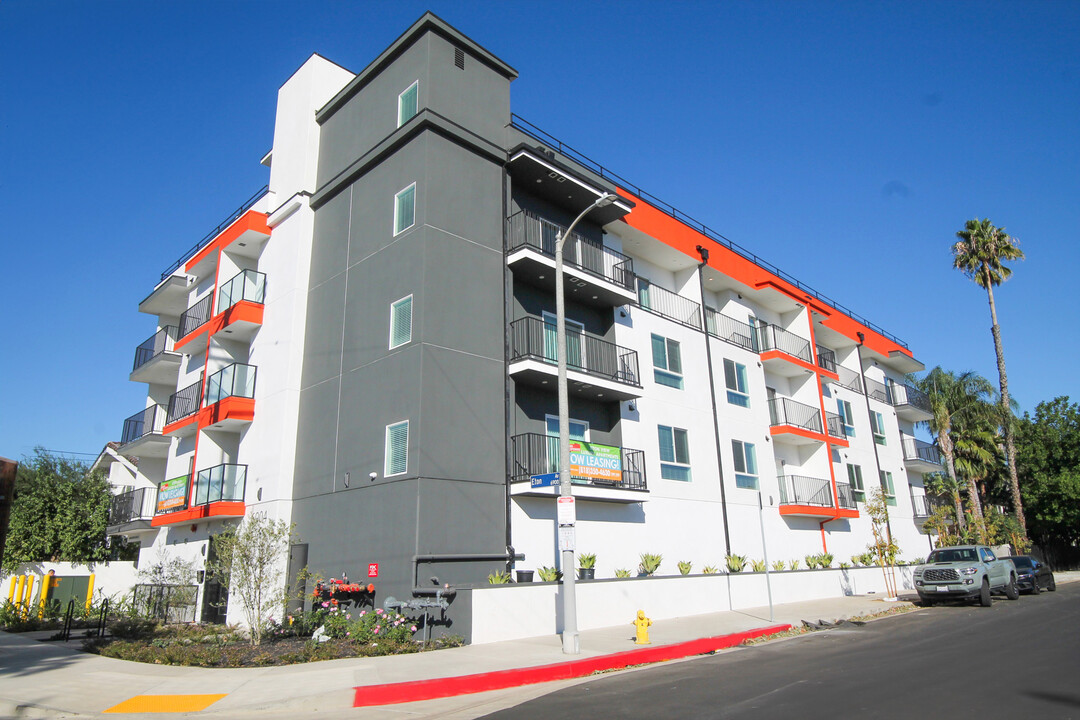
pixel 394 693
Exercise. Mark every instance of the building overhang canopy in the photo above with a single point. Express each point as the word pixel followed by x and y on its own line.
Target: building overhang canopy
pixel 554 182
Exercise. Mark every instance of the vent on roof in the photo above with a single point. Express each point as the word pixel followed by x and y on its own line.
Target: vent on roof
pixel 459 58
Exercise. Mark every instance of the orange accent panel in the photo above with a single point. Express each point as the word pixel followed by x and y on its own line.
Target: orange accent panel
pixel 802 432
pixel 807 510
pixel 781 355
pixel 182 422
pixel 230 408
pixel 190 336
pixel 847 513
pixel 251 220
pixel 658 224
pixel 223 508
pixel 245 310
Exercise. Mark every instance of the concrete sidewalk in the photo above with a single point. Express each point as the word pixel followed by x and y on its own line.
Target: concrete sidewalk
pixel 44 679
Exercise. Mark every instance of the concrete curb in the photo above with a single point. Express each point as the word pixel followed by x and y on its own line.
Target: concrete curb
pixel 394 693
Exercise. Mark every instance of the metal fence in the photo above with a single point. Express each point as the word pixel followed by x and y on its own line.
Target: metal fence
pixel 773 337
pixel 729 330
pixel 532 337
pixel 668 304
pixel 135 504
pixel 184 402
pixel 785 411
pixel 803 490
pixel 530 230
pixel 142 423
pixel 168 603
pixel 159 342
pixel 826 359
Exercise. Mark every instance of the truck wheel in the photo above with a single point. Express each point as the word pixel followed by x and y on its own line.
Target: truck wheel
pixel 984 594
pixel 1053 585
pixel 1011 590
pixel 1035 589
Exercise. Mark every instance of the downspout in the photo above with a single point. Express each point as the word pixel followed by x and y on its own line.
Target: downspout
pixel 869 417
pixel 704 253
pixel 507 382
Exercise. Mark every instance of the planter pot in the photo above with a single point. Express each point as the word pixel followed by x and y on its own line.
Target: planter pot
pixel 524 576
pixel 586 573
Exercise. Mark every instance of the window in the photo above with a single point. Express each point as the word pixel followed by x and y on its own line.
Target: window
pixel 674 454
pixel 745 464
pixel 405 209
pixel 877 426
pixel 846 417
pixel 735 379
pixel 854 476
pixel 401 322
pixel 408 103
pixel 397 449
pixel 667 362
pixel 887 487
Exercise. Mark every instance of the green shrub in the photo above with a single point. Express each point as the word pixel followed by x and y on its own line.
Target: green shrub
pixel 549 574
pixel 499 578
pixel 779 566
pixel 622 573
pixel 587 561
pixel 650 563
pixel 735 563
pixel 758 565
pixel 710 570
pixel 793 564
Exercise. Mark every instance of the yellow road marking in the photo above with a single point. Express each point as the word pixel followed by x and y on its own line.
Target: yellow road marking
pixel 165 703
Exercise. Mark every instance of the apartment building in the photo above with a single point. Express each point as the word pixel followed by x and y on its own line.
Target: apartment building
pixel 366 349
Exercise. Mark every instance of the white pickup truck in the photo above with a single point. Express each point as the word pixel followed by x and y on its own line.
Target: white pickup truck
pixel 965 571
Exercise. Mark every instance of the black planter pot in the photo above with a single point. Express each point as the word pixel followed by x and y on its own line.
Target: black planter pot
pixel 524 576
pixel 586 573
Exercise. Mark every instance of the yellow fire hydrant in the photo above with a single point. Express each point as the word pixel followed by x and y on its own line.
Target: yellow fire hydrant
pixel 642 624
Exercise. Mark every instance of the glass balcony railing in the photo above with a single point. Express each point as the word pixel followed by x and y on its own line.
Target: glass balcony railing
pixel 247 285
pixel 534 338
pixel 236 380
pixel 159 342
pixel 597 465
pixel 221 483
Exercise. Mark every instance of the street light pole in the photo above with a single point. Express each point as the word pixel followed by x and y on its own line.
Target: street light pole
pixel 570 640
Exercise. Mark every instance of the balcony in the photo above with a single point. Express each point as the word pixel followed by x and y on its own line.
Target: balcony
pixel 155 361
pixel 594 274
pixel 920 456
pixel 845 496
pixel 142 434
pixel 230 397
pixel 911 403
pixel 183 404
pixel 218 493
pixel 665 303
pixel 596 368
pixel 782 352
pixel 221 483
pixel 194 318
pixel 598 472
pixel 834 424
pixel 849 379
pixel 240 306
pixel 131 512
pixel 877 391
pixel 808 496
pixel 920 507
pixel 729 330
pixel 826 359
pixel 795 422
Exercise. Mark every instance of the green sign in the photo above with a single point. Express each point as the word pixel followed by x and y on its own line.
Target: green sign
pixel 172 494
pixel 595 462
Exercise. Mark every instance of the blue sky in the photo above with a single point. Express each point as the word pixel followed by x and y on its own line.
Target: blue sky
pixel 844 142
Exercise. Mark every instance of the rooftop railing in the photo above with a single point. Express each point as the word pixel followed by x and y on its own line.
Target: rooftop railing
pixel 159 342
pixel 556 144
pixel 232 217
pixel 785 411
pixel 531 337
pixel 802 490
pixel 530 230
pixel 536 454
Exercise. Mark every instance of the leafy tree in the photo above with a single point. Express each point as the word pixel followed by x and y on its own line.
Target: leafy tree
pixel 884 548
pixel 1048 458
pixel 250 562
pixel 980 253
pixel 59 512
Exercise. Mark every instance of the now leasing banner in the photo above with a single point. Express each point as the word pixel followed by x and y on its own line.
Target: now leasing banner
pixel 595 462
pixel 172 494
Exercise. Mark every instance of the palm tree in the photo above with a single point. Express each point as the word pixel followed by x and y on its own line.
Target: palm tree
pixel 976 455
pixel 942 486
pixel 954 398
pixel 980 254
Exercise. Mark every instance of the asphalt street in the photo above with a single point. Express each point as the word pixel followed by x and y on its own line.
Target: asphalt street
pixel 1019 658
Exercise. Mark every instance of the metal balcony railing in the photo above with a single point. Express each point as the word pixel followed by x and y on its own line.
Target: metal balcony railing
pixel 229 220
pixel 195 316
pixel 826 359
pixel 536 454
pixel 246 285
pixel 729 330
pixel 184 402
pixel 533 338
pixel 530 230
pixel 132 505
pixel 236 380
pixel 772 337
pixel 668 304
pixel 785 411
pixel 913 397
pixel 221 483
pixel 920 508
pixel 835 425
pixel 915 449
pixel 877 391
pixel 849 379
pixel 802 490
pixel 845 496
pixel 159 342
pixel 141 424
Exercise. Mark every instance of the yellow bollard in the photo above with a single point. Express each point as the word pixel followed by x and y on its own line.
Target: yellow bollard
pixel 642 624
pixel 29 597
pixel 11 590
pixel 21 591
pixel 89 592
pixel 46 586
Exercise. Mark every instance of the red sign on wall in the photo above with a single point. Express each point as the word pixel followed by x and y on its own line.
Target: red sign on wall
pixel 373 570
